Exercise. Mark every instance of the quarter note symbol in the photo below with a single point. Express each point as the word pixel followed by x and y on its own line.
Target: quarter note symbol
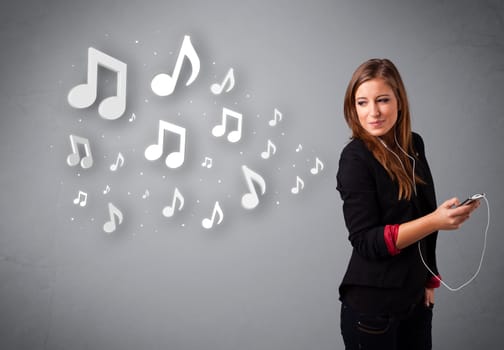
pixel 174 159
pixel 81 199
pixel 271 149
pixel 169 210
pixel 84 95
pixel 299 185
pixel 220 130
pixel 208 223
pixel 229 79
pixel 74 158
pixel 277 117
pixel 207 163
pixel 119 162
pixel 110 226
pixel 164 84
pixel 319 166
pixel 250 200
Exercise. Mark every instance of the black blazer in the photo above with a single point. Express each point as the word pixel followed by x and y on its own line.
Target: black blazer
pixel 369 204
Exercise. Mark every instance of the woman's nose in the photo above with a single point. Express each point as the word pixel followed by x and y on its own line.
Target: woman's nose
pixel 374 111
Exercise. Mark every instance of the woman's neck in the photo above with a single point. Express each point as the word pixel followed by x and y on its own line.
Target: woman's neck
pixel 389 139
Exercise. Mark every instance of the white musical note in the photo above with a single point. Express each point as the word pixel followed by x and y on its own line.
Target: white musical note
pixel 229 79
pixel 250 200
pixel 176 158
pixel 132 118
pixel 110 226
pixel 169 210
pixel 81 201
pixel 207 163
pixel 319 166
pixel 84 95
pixel 299 148
pixel 106 190
pixel 146 194
pixel 116 165
pixel 271 149
pixel 208 223
pixel 219 130
pixel 74 158
pixel 299 185
pixel 277 117
pixel 164 84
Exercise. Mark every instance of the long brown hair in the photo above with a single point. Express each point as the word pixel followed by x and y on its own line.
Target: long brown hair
pixel 386 70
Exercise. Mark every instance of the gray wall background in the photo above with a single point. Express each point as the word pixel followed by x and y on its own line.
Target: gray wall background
pixel 266 278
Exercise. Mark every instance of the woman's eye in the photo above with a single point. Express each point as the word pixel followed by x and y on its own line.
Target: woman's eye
pixel 361 103
pixel 384 100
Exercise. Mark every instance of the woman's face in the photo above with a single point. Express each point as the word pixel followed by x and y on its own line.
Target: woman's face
pixel 376 106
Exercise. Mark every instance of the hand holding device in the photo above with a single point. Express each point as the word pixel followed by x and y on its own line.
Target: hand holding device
pixel 468 201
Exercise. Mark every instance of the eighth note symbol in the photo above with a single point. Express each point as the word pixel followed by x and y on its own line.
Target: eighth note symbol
pixel 84 95
pixel 271 149
pixel 299 185
pixel 230 79
pixel 164 84
pixel 120 159
pixel 74 158
pixel 110 226
pixel 208 223
pixel 170 210
pixel 174 159
pixel 277 117
pixel 250 200
pixel 319 166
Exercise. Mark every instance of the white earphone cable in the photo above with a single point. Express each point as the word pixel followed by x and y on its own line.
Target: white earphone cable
pixel 455 289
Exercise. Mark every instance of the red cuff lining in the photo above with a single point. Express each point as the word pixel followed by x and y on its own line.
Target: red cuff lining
pixel 390 235
pixel 433 282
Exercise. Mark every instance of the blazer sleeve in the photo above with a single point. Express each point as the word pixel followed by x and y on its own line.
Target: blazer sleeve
pixel 361 210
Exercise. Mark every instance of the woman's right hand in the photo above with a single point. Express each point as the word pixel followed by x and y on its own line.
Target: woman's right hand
pixel 449 216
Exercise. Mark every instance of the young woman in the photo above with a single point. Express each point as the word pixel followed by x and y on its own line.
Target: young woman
pixel 390 212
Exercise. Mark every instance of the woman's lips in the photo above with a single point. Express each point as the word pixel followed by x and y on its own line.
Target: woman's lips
pixel 377 123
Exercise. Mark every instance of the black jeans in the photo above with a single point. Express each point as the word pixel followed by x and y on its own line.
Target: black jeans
pixel 377 332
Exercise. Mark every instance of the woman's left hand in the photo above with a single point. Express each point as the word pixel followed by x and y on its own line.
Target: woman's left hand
pixel 429 297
